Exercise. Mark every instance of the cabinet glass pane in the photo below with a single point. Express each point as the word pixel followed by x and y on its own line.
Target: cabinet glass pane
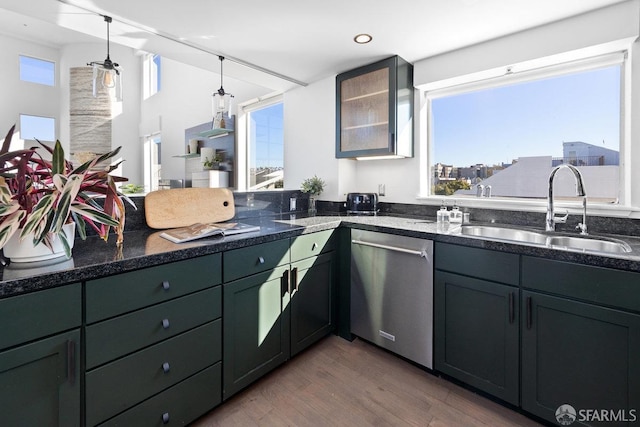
pixel 364 114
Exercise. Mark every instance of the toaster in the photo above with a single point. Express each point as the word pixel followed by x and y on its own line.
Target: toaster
pixel 362 203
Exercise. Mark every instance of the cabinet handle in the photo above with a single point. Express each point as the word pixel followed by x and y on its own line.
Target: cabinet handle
pixel 165 285
pixel 71 361
pixel 260 260
pixel 511 308
pixel 294 279
pixel 529 313
pixel 166 368
pixel 165 418
pixel 314 246
pixel 165 323
pixel 285 283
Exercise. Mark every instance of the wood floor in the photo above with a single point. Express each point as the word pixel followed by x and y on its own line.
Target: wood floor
pixel 342 383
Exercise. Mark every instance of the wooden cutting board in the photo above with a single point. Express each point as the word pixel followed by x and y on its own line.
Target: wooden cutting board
pixel 180 207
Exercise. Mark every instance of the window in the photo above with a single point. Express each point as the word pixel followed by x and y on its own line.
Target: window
pixel 37 71
pixel 503 137
pixel 34 127
pixel 152 161
pixel 265 146
pixel 151 75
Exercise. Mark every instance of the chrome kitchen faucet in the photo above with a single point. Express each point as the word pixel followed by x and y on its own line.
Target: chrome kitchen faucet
pixel 551 219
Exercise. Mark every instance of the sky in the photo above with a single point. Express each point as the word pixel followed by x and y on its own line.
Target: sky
pixel 269 136
pixel 499 125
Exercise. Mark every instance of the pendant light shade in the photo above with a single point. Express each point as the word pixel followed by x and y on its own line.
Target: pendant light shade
pixel 221 103
pixel 106 74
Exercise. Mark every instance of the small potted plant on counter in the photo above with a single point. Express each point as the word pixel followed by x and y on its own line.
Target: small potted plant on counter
pixel 314 186
pixel 44 202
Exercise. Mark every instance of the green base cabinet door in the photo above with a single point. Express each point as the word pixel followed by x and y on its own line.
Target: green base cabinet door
pixel 40 382
pixel 256 327
pixel 311 301
pixel 582 355
pixel 477 333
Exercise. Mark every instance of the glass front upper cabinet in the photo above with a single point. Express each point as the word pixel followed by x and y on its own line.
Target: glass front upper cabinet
pixel 374 112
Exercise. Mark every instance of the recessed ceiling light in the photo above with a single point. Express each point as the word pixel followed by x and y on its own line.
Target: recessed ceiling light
pixel 362 38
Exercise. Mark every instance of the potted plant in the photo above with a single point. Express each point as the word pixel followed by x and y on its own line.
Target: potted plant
pixel 44 202
pixel 212 164
pixel 314 186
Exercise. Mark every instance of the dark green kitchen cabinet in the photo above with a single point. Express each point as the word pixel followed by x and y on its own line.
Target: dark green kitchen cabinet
pixel 40 354
pixel 40 382
pixel 374 110
pixel 476 318
pixel 312 300
pixel 477 333
pixel 580 338
pixel 256 327
pixel 284 304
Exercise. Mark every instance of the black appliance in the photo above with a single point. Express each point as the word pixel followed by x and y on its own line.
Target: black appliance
pixel 362 203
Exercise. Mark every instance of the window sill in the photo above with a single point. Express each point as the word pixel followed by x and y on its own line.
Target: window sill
pixel 497 203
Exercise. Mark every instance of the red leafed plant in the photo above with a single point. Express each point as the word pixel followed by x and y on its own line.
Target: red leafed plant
pixel 40 196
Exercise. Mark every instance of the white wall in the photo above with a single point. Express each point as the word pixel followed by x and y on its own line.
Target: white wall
pixel 20 97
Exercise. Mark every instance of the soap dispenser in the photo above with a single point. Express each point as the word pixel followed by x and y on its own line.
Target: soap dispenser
pixel 455 216
pixel 442 216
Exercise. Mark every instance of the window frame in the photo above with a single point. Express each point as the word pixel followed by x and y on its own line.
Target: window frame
pixel 244 133
pixel 529 71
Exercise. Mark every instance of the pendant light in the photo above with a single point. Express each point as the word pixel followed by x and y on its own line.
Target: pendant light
pixel 221 103
pixel 107 73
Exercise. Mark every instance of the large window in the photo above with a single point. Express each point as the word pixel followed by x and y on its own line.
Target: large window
pixel 265 147
pixel 37 71
pixel 502 138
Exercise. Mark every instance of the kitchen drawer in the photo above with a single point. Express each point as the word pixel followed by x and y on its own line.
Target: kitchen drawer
pixel 38 314
pixel 179 405
pixel 311 244
pixel 480 263
pixel 125 334
pixel 243 262
pixel 122 293
pixel 604 286
pixel 118 386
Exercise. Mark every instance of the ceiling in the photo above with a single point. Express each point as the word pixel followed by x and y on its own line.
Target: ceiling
pixel 300 41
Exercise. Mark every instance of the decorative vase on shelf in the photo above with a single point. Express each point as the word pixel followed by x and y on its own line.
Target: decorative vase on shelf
pixel 18 250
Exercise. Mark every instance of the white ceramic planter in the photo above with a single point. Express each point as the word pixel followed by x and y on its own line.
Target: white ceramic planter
pixel 23 250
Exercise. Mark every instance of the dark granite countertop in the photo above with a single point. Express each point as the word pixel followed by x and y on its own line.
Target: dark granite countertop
pixel 95 258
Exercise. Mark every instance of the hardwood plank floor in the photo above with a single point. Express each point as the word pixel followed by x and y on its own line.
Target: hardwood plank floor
pixel 342 383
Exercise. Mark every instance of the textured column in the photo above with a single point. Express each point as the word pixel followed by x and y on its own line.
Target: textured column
pixel 90 118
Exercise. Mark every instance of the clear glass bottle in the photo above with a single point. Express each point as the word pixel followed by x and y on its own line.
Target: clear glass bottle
pixel 455 216
pixel 442 216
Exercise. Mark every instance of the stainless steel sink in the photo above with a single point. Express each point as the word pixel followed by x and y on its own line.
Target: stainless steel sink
pixel 588 244
pixel 503 233
pixel 575 243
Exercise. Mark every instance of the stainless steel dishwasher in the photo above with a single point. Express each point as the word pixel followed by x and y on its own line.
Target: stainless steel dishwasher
pixel 392 293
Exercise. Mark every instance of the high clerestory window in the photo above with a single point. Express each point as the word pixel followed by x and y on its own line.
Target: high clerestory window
pixel 503 136
pixel 38 71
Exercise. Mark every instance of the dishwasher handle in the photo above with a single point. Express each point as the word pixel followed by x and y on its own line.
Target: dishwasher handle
pixel 423 253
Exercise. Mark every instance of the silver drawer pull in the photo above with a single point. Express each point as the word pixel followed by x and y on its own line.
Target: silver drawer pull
pixel 165 367
pixel 165 285
pixel 165 323
pixel 165 418
pixel 314 246
pixel 260 260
